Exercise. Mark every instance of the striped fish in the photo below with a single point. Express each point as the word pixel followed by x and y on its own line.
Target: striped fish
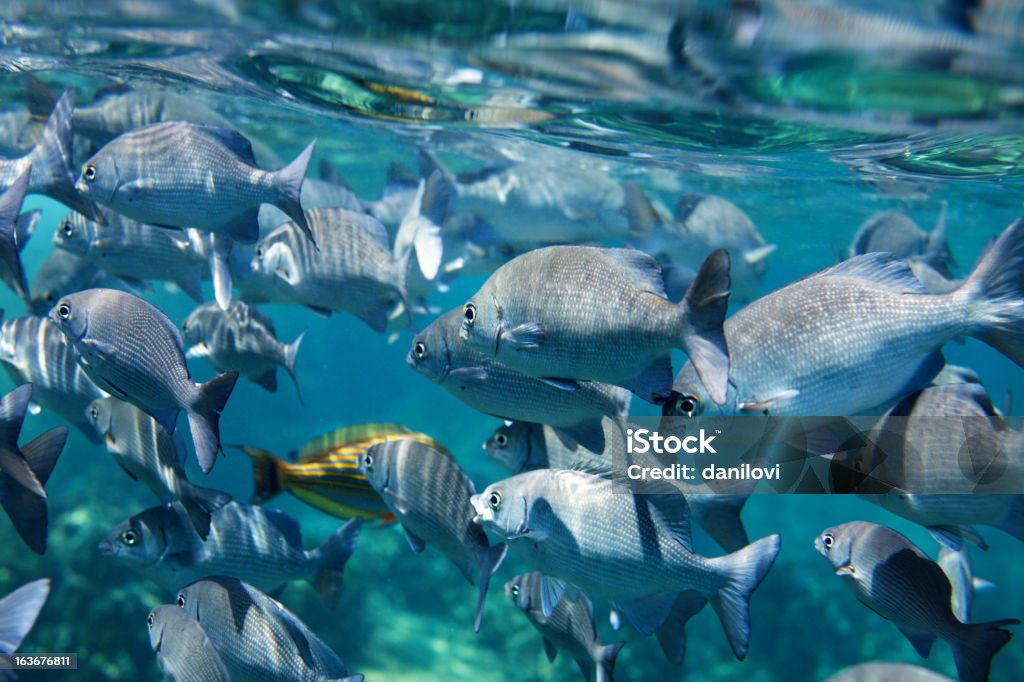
pixel 33 350
pixel 326 472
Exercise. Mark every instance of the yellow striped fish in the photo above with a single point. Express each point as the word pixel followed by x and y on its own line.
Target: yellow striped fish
pixel 326 474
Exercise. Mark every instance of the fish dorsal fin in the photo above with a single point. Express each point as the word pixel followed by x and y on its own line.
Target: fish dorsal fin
pixel 671 512
pixel 399 174
pixel 362 436
pixel 641 269
pixel 880 268
pixel 109 91
pixel 347 435
pixel 18 612
pixel 232 139
pixel 285 525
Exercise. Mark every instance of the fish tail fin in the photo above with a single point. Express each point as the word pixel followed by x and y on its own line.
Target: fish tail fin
pixel 10 245
pixel 18 613
pixel 743 572
pixel 1013 521
pixel 288 182
pixel 291 351
pixel 266 473
pixel 199 504
pixel 27 512
pixel 39 99
pixel 491 561
pixel 330 559
pixel 703 313
pixel 52 160
pixel 204 417
pixel 996 287
pixel 978 644
pixel 605 660
pixel 43 450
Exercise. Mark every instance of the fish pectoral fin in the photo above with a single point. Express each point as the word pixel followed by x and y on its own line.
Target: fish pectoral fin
pixel 137 188
pixel 103 351
pixel 550 650
pixel 953 537
pixel 561 384
pixel 922 641
pixel 551 592
pixel 416 543
pixel 525 336
pixel 200 350
pixel 468 376
pixel 846 570
pixel 762 404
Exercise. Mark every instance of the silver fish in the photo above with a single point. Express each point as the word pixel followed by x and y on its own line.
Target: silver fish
pixel 65 273
pixel 597 534
pixel 570 626
pixel 896 580
pixel 150 455
pixel 33 350
pixel 133 251
pixel 354 270
pixel 540 199
pixel 896 232
pixel 574 410
pixel 18 612
pixel 25 469
pixel 945 459
pixel 884 671
pixel 429 493
pixel 13 239
pixel 521 446
pixel 146 366
pixel 187 175
pixel 240 338
pixel 702 223
pixel 183 648
pixel 119 109
pixel 859 334
pixel 578 312
pixel 261 546
pixel 50 162
pixel 257 637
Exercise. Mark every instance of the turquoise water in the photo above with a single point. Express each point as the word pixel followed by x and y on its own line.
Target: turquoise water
pixel 811 139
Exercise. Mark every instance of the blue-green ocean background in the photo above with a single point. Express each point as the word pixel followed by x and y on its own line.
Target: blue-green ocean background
pixel 409 617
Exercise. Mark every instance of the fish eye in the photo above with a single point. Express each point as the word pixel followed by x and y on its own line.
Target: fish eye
pixel 129 537
pixel 828 540
pixel 501 440
pixel 149 620
pixel 64 310
pixel 515 590
pixel 65 227
pixel 90 172
pixel 94 412
pixel 181 599
pixel 420 349
pixel 689 405
pixel 469 312
pixel 494 500
pixel 368 461
pixel 259 252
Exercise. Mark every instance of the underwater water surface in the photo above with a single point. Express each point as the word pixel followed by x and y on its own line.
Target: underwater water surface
pixel 810 125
